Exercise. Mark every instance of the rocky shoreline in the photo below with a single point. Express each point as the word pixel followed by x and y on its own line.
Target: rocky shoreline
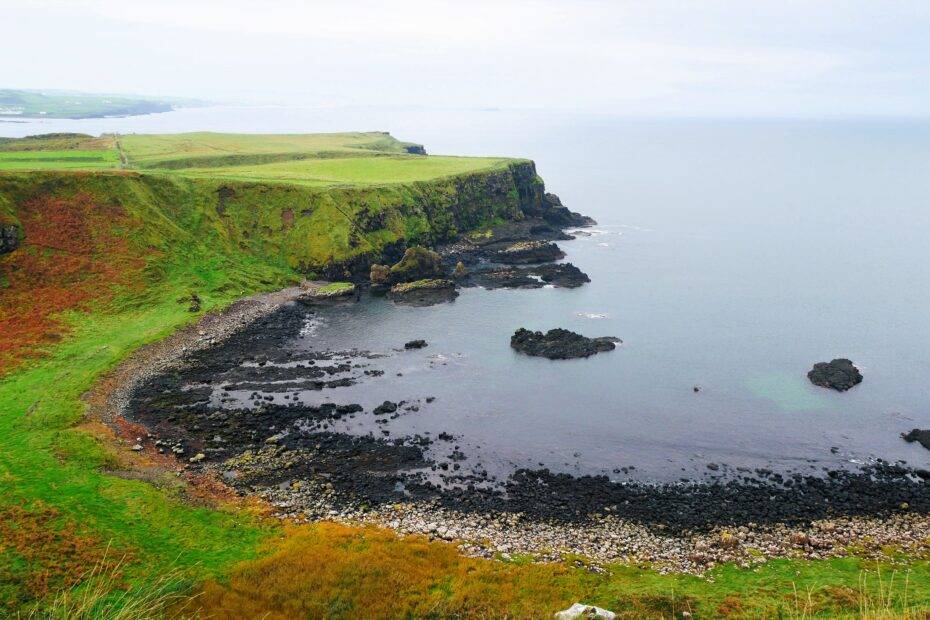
pixel 289 455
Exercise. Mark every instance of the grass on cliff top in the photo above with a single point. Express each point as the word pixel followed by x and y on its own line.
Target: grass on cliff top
pixel 152 150
pixel 315 160
pixel 61 151
pixel 353 170
pixel 58 160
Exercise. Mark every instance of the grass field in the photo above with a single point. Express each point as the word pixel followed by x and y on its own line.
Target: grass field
pixel 154 151
pixel 58 160
pixel 354 170
pixel 106 266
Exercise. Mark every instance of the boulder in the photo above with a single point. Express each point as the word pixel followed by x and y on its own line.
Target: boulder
pixel 380 277
pixel 839 374
pixel 580 611
pixel 415 344
pixel 10 237
pixel 560 344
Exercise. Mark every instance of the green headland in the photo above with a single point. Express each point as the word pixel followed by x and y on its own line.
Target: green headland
pixel 74 105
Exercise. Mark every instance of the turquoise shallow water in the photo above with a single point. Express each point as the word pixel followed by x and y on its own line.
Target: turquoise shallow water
pixel 731 255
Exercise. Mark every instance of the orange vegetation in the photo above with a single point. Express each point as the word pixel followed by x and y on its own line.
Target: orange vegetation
pixel 40 552
pixel 74 253
pixel 330 570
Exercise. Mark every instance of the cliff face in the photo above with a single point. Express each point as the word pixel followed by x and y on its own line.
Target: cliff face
pixel 330 232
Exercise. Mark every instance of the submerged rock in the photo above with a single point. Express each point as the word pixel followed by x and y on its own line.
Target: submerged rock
pixel 558 344
pixel 839 374
pixel 919 435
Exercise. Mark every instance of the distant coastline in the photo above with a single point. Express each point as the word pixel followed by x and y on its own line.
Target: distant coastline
pixel 29 104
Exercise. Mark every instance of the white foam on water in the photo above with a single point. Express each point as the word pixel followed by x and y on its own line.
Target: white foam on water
pixel 310 326
pixel 593 315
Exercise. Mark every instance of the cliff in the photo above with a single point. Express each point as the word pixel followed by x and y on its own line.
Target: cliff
pixel 76 240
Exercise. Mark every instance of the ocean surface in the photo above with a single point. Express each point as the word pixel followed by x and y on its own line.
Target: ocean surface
pixel 730 255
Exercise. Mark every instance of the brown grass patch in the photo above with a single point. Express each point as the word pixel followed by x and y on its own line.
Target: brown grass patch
pixel 40 552
pixel 334 571
pixel 73 254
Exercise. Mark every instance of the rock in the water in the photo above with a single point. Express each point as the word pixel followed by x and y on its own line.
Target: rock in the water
pixel 557 214
pixel 415 344
pixel 580 611
pixel 840 374
pixel 385 407
pixel 335 291
pixel 560 344
pixel 424 292
pixel 563 275
pixel 920 436
pixel 527 252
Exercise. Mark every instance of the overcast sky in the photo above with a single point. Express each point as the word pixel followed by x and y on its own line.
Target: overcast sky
pixel 650 57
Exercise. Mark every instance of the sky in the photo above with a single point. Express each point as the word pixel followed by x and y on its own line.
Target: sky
pixel 740 58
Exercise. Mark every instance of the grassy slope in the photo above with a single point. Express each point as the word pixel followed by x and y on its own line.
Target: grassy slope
pixel 57 491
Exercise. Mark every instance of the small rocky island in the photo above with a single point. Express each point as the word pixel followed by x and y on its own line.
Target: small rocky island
pixel 921 436
pixel 839 374
pixel 560 344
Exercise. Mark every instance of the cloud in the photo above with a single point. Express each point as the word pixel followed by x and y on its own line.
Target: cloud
pixel 623 56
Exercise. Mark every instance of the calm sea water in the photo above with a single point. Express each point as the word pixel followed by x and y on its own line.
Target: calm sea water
pixel 730 255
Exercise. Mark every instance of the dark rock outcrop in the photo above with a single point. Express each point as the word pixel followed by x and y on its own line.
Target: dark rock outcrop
pixel 921 436
pixel 528 252
pixel 560 344
pixel 563 275
pixel 415 344
pixel 839 374
pixel 9 238
pixel 424 292
pixel 558 215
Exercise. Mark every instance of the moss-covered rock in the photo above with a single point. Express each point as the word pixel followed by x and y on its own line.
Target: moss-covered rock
pixel 334 291
pixel 424 292
pixel 418 263
pixel 380 277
